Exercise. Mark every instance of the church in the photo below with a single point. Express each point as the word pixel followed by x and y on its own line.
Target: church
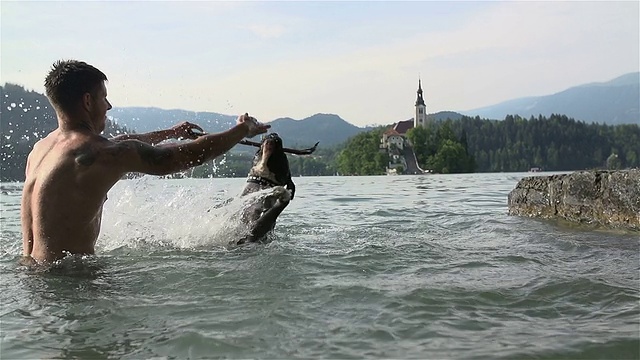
pixel 402 159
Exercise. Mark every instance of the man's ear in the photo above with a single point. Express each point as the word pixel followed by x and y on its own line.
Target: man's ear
pixel 86 102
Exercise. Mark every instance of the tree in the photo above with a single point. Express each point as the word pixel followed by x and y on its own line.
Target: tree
pixel 362 156
pixel 437 148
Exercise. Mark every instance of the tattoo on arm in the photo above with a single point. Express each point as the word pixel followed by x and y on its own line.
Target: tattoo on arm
pixel 138 156
pixel 153 155
pixel 85 155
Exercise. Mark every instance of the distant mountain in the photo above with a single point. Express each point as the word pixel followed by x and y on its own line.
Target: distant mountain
pixel 445 115
pixel 328 129
pixel 145 119
pixel 613 102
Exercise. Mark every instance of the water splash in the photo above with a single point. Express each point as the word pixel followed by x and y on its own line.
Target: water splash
pixel 147 212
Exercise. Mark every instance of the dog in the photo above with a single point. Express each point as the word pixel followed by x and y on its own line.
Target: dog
pixel 270 170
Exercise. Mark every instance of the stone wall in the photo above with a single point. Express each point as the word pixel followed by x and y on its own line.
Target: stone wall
pixel 606 198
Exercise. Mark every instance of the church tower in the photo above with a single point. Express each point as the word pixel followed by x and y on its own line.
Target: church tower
pixel 421 109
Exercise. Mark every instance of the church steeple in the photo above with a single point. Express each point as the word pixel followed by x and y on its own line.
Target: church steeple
pixel 421 108
pixel 420 100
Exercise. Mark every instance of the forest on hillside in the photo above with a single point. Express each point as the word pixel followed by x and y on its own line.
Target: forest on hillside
pixel 554 143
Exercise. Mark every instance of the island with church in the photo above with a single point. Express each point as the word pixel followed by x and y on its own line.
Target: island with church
pixel 397 142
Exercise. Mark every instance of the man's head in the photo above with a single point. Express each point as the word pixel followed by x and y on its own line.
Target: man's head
pixel 74 86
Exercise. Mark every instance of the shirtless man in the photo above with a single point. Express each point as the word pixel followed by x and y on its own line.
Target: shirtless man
pixel 70 171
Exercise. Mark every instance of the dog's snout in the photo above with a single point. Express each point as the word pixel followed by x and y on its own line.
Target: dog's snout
pixel 272 137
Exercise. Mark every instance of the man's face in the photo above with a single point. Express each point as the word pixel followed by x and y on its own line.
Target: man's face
pixel 100 106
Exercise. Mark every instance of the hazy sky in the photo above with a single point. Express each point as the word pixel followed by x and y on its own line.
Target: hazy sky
pixel 360 60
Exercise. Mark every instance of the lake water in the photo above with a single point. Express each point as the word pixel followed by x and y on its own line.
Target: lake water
pixel 359 267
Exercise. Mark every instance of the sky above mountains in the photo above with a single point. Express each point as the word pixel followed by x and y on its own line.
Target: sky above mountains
pixel 360 60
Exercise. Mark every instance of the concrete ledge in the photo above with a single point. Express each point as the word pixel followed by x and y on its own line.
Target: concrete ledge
pixel 607 198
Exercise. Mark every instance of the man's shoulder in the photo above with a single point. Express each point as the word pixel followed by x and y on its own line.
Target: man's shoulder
pixel 78 143
pixel 49 138
pixel 112 152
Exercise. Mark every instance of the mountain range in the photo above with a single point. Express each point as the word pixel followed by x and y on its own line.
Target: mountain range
pixel 613 102
pixel 328 129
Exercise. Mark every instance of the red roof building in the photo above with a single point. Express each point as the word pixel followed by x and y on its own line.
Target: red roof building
pixel 401 127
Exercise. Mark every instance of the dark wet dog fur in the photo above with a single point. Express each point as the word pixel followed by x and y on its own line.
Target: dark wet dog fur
pixel 270 170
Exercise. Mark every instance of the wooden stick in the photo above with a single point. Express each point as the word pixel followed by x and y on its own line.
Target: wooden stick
pixel 287 150
pixel 307 151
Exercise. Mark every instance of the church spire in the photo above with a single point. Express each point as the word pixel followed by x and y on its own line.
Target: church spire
pixel 421 108
pixel 420 100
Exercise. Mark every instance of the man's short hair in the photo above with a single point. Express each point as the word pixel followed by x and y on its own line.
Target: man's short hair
pixel 69 80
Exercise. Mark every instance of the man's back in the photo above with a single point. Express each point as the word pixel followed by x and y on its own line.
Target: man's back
pixel 63 194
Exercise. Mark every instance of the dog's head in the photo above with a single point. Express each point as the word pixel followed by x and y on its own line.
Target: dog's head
pixel 272 155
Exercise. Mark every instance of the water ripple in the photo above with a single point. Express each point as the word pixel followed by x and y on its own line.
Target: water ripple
pixel 374 267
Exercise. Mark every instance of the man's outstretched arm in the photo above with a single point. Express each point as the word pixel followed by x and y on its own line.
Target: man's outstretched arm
pixel 183 130
pixel 136 156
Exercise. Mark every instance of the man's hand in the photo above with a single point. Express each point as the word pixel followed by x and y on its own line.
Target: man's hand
pixel 185 130
pixel 254 126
